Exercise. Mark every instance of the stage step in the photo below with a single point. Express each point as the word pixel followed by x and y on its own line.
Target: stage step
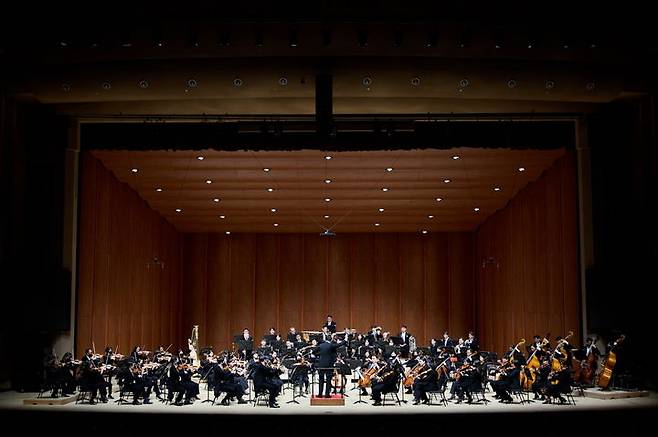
pixel 50 401
pixel 596 393
pixel 334 400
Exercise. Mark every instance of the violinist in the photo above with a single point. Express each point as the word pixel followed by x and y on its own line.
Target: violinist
pixel 264 349
pixel 509 379
pixel 446 341
pixel 92 377
pixel 299 373
pixel 330 324
pixel 108 362
pixel 135 382
pixel 134 356
pixel 465 377
pixel 225 381
pixel 292 334
pixel 66 370
pixel 299 342
pixel 263 375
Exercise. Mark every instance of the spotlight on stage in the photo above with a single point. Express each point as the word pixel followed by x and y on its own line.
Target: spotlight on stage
pixel 327 233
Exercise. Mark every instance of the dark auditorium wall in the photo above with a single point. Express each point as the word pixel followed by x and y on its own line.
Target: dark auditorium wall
pixel 526 262
pixel 282 280
pixel 122 299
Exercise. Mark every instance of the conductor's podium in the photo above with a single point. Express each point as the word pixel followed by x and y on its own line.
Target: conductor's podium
pixel 334 400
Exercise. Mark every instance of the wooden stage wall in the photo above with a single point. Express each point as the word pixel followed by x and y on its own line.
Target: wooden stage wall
pixel 526 263
pixel 515 276
pixel 124 298
pixel 263 280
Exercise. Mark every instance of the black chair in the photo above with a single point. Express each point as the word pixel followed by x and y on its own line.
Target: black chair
pixel 523 396
pixel 438 395
pixel 84 394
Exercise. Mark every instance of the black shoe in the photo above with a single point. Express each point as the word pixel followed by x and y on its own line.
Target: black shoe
pixel 110 397
pixel 104 400
pixel 146 401
pixel 426 402
pixel 225 402
pixel 416 402
pixel 135 402
pixel 459 401
pixel 377 403
pixel 274 406
pixel 562 401
pixel 92 401
pixel 241 401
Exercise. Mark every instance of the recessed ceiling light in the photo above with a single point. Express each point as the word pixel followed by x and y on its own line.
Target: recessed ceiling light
pixel 222 217
pixel 326 216
pixel 430 216
pixel 424 231
pixel 376 224
pixel 327 199
pixel 446 181
pixel 273 209
pixel 438 199
pixel 270 189
pixel 389 169
pixel 476 209
pixel 496 188
pixel 455 157
pixel 228 232
pixel 179 210
pixel 381 209
pixel 266 169
pixel 159 190
pixel 521 168
pixel 200 158
pixel 276 224
pixel 134 170
pixel 327 181
pixel 384 189
pixel 208 181
pixel 328 157
pixel 216 199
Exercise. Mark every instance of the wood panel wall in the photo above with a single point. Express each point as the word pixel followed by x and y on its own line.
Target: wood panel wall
pixel 123 298
pixel 526 263
pixel 262 280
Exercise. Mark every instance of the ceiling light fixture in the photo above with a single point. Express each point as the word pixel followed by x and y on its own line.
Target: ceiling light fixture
pixel 497 189
pixel 384 189
pixel 159 190
pixel 270 189
pixel 476 209
pixel 327 181
pixel 179 210
pixel 389 169
pixel 276 224
pixel 273 209
pixel 376 224
pixel 327 199
pixel 134 170
pixel 222 217
pixel 200 158
pixel 228 232
pixel 208 181
pixel 328 157
pixel 446 181
pixel 455 157
pixel 216 199
pixel 326 216
pixel 266 169
pixel 424 231
pixel 521 169
pixel 381 209
pixel 438 199
pixel 430 216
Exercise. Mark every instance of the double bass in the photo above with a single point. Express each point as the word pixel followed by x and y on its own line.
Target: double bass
pixel 609 364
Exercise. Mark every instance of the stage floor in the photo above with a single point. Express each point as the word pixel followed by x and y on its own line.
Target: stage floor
pixel 15 401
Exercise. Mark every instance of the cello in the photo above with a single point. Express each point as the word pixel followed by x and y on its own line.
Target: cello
pixel 609 364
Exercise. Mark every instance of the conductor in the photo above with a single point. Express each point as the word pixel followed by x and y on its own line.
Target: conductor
pixel 326 353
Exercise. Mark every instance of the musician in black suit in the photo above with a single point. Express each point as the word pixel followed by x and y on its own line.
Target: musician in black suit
pixel 404 338
pixel 471 342
pixel 330 324
pixel 263 377
pixel 292 334
pixel 245 343
pixel 446 341
pixel 326 353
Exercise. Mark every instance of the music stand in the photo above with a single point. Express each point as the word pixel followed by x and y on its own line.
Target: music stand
pixel 206 376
